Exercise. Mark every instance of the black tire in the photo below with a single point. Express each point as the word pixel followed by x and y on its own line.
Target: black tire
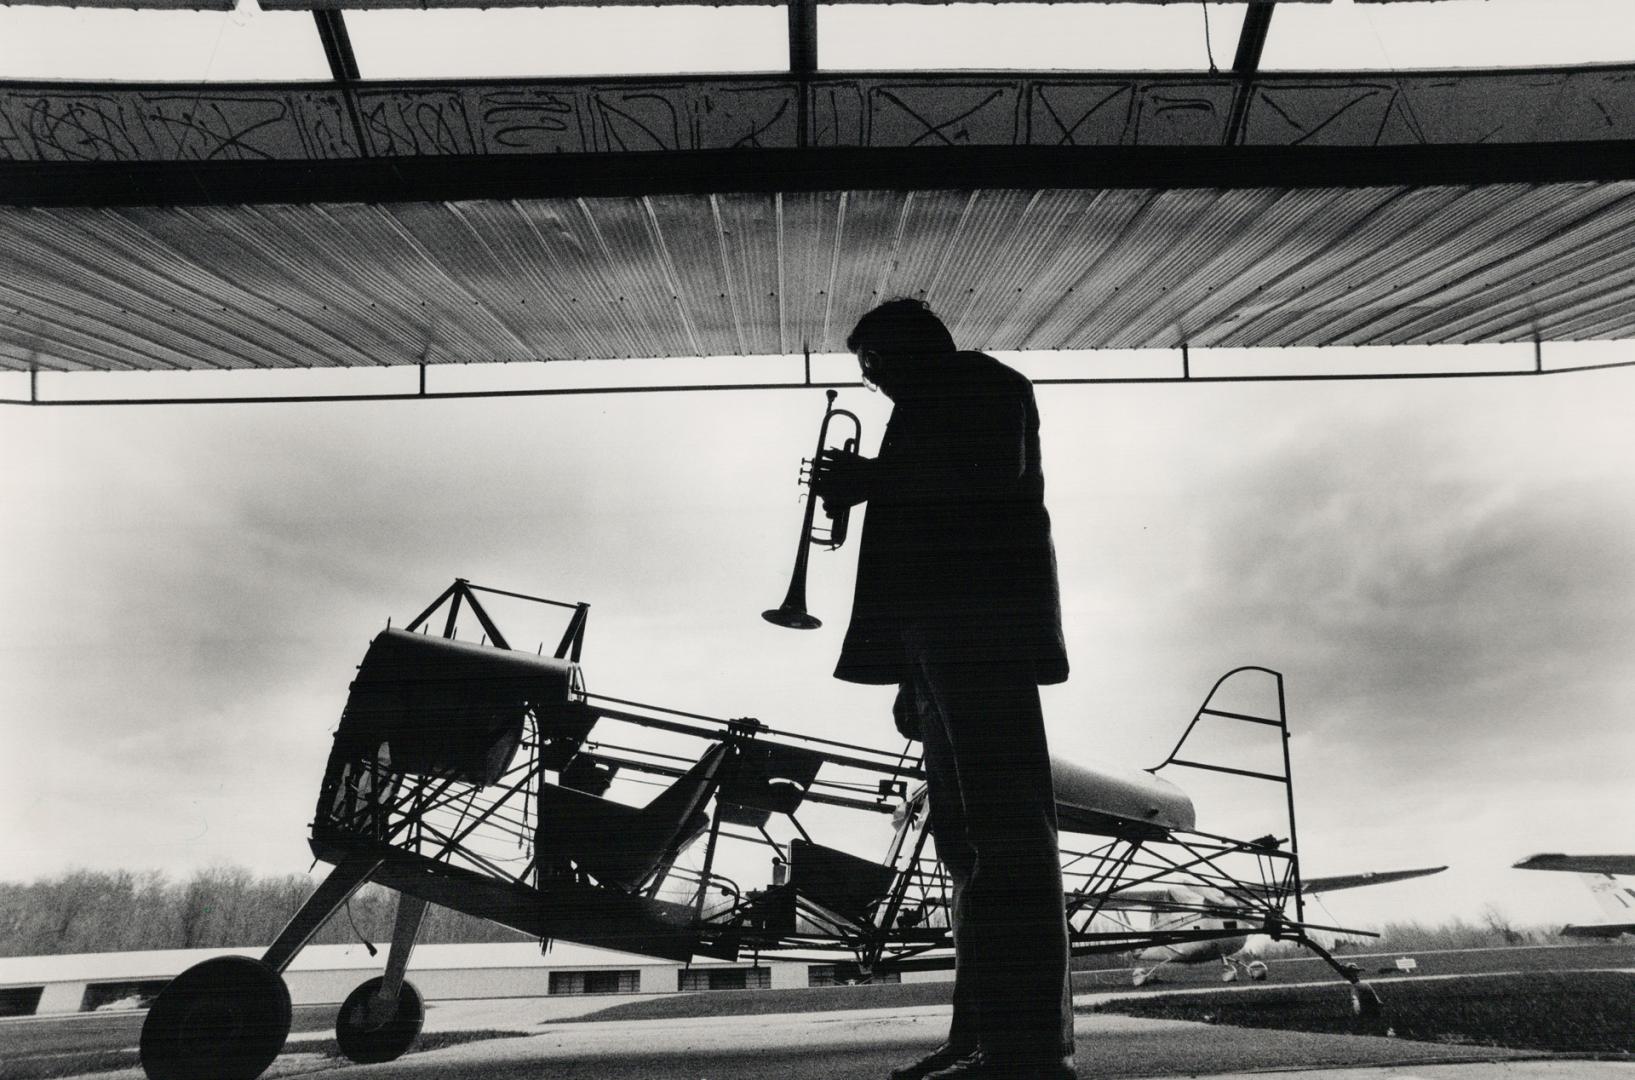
pixel 385 1042
pixel 223 1019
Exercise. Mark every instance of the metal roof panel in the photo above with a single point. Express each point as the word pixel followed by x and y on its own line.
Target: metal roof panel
pixel 754 273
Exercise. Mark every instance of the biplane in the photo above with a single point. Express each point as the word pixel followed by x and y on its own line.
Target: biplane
pixel 477 776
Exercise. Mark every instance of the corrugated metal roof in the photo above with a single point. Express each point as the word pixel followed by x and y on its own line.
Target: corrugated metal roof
pixel 755 274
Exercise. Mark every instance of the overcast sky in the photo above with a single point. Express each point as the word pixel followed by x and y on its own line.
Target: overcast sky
pixel 1442 570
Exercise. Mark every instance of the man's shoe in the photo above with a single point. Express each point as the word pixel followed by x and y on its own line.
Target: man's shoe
pixel 941 1058
pixel 981 1066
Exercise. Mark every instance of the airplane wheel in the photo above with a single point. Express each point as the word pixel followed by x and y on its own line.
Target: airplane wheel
pixel 1365 1002
pixel 223 1019
pixel 1139 977
pixel 368 1042
pixel 1257 971
pixel 1230 975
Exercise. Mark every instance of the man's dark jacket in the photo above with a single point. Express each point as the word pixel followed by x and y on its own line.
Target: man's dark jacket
pixel 956 537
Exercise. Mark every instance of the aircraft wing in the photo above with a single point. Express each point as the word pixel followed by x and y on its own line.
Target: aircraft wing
pixel 1615 898
pixel 1143 899
pixel 1161 899
pixel 1357 881
pixel 1580 864
pixel 1598 930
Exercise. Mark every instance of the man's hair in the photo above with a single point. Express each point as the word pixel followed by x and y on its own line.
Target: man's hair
pixel 903 327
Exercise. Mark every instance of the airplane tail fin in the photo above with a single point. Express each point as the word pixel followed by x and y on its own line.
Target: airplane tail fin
pixel 1614 897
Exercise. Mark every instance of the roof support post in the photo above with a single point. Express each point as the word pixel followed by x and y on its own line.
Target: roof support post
pixel 1257 21
pixel 343 63
pixel 803 58
pixel 343 66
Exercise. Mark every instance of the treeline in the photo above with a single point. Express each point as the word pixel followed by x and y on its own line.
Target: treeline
pixel 87 911
pixel 1493 930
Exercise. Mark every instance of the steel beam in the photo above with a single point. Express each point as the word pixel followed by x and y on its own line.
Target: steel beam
pixel 1257 22
pixel 680 172
pixel 343 62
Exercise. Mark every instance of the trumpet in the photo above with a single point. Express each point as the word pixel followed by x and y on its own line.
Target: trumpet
pixel 792 612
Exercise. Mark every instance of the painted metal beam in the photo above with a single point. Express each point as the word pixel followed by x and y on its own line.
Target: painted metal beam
pixel 326 122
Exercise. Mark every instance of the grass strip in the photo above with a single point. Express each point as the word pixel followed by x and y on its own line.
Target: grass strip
pixel 1590 1012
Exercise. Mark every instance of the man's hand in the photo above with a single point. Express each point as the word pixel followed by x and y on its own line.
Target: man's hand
pixel 841 479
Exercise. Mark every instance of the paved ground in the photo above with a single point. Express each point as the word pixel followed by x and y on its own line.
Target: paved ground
pixel 860 1045
pixel 848 1045
pixel 579 1038
pixel 865 1045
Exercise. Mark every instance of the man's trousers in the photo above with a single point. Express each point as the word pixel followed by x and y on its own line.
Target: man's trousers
pixel 993 817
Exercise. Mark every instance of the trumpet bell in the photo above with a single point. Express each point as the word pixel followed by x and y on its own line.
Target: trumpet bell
pixel 792 617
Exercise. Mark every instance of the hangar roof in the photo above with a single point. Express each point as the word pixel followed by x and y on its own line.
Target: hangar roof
pixel 308 225
pixel 354 223
pixel 364 284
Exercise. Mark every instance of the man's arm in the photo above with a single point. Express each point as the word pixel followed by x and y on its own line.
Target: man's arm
pixel 958 448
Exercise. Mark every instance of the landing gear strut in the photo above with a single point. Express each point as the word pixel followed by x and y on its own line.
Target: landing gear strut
pixel 227 1018
pixel 1365 1000
pixel 381 1018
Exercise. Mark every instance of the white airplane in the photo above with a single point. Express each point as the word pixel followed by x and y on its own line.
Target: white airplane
pixel 1203 916
pixel 1176 908
pixel 1600 874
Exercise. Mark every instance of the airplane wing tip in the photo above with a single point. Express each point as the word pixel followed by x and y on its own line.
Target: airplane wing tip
pixel 1582 864
pixel 1537 862
pixel 1605 931
pixel 1372 877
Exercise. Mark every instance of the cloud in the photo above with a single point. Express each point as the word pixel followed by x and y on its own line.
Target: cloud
pixel 1443 576
pixel 1454 605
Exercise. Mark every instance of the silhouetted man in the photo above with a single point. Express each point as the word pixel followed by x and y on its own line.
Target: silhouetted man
pixel 956 603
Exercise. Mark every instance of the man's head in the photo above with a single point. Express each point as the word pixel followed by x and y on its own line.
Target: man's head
pixel 897 342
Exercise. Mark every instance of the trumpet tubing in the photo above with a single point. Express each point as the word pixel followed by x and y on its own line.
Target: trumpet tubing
pixel 792 612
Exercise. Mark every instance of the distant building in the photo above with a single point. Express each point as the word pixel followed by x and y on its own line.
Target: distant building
pixel 325 974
